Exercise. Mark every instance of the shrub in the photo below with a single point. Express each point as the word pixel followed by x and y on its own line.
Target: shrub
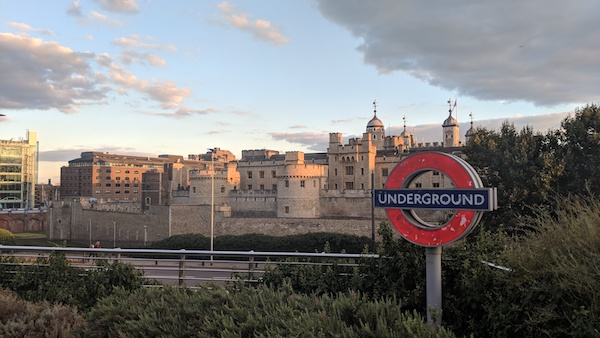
pixel 6 237
pixel 52 279
pixel 247 312
pixel 19 318
pixel 312 242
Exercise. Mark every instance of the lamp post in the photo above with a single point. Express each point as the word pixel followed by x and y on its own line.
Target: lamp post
pixel 212 201
pixel 90 231
pixel 114 235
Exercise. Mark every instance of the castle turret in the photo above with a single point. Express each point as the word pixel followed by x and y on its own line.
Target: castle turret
pixel 450 128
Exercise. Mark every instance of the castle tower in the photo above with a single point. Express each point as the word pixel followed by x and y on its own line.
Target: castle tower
pixel 376 128
pixel 450 128
pixel 471 132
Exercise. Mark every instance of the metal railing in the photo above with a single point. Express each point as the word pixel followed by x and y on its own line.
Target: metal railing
pixel 184 267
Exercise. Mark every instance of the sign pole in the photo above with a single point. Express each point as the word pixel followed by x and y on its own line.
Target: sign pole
pixel 433 267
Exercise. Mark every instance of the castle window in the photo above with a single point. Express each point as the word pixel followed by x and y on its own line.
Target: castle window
pixel 384 171
pixel 362 171
pixel 222 189
pixel 287 183
pixel 302 183
pixel 418 185
pixel 249 186
pixel 287 209
pixel 349 170
pixel 274 187
pixel 262 187
pixel 261 174
pixel 194 190
pixel 349 185
pixel 436 185
pixel 335 172
pixel 436 173
pixel 249 174
pixel 335 186
pixel 273 173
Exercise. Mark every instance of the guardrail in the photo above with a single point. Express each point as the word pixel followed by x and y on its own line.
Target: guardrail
pixel 186 267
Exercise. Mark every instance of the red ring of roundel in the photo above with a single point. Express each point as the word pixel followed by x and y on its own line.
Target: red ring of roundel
pixel 458 226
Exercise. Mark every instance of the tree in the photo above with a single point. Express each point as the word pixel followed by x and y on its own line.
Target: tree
pixel 579 138
pixel 524 166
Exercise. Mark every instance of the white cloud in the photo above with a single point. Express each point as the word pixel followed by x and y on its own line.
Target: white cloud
pixel 45 75
pixel 120 6
pixel 26 28
pixel 529 51
pixel 137 41
pixel 100 19
pixel 261 29
pixel 75 9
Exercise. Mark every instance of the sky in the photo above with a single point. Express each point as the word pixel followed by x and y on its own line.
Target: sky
pixel 151 77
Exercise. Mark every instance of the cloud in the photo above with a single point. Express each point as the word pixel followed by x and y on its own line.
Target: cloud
pixel 119 6
pixel 260 29
pixel 65 155
pixel 100 19
pixel 45 75
pixel 525 51
pixel 137 41
pixel 75 9
pixel 24 27
pixel 130 56
pixel 311 140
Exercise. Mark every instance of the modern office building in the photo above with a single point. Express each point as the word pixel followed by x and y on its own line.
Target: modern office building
pixel 18 172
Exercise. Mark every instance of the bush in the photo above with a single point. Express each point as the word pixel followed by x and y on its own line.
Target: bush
pixel 19 318
pixel 247 312
pixel 6 237
pixel 52 279
pixel 312 242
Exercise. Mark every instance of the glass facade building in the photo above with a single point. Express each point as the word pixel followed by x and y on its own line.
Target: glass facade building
pixel 18 172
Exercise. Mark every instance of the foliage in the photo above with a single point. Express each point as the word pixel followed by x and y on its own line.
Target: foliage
pixel 579 138
pixel 19 318
pixel 524 166
pixel 311 242
pixel 554 288
pixel 6 237
pixel 399 273
pixel 247 312
pixel 52 279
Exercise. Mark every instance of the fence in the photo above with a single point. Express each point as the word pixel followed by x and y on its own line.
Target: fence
pixel 185 267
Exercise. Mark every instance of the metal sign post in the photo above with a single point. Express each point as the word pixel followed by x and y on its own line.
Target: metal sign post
pixel 469 198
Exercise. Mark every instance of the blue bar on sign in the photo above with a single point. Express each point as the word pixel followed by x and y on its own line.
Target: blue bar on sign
pixel 460 199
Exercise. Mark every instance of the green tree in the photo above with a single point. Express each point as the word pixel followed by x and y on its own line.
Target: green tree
pixel 579 138
pixel 524 166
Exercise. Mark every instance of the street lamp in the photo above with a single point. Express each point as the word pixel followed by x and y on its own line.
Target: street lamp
pixel 212 201
pixel 114 235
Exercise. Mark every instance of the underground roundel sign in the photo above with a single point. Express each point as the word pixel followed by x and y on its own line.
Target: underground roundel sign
pixel 440 214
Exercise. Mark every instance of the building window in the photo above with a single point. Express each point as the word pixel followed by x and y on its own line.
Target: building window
pixel 126 192
pixel 418 185
pixel 436 185
pixel 384 171
pixel 108 184
pixel 117 171
pixel 126 185
pixel 349 185
pixel 108 177
pixel 274 173
pixel 135 192
pixel 98 170
pixel 261 174
pixel 362 186
pixel 287 209
pixel 287 183
pixel 136 172
pixel 274 187
pixel 249 174
pixel 107 192
pixel 127 171
pixel 349 170
pixel 135 185
pixel 194 190
pixel 335 172
pixel 262 187
pixel 118 178
pixel 126 178
pixel 222 189
pixel 335 186
pixel 249 186
pixel 118 192
pixel 118 185
pixel 98 192
pixel 108 171
pixel 302 183
pixel 436 173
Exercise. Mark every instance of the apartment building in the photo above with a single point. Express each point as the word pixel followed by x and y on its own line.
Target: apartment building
pixel 18 172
